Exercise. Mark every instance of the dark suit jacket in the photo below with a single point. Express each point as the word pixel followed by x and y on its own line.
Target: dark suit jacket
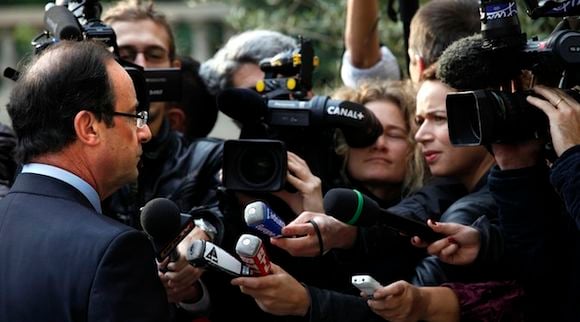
pixel 61 261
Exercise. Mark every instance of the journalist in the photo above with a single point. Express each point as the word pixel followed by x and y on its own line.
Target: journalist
pixel 74 111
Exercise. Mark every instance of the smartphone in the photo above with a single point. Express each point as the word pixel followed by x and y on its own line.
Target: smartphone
pixel 366 283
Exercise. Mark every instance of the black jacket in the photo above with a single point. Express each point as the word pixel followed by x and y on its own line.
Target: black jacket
pixel 565 177
pixel 186 173
pixel 542 244
pixel 8 164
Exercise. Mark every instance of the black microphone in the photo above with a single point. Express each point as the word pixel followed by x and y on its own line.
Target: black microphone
pixel 470 64
pixel 62 23
pixel 359 125
pixel 204 254
pixel 161 220
pixel 354 208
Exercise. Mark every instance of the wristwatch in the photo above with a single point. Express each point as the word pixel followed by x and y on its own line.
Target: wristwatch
pixel 207 227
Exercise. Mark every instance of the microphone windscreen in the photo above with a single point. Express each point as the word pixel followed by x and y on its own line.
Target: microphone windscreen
pixel 161 220
pixel 242 104
pixel 468 64
pixel 351 207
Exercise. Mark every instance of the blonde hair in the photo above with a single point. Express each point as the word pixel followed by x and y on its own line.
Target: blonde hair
pixel 402 94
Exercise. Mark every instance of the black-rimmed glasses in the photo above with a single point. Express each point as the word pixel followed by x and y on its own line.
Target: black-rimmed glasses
pixel 141 117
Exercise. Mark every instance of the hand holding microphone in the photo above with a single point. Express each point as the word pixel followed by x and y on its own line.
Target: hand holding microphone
pixel 259 216
pixel 460 247
pixel 161 220
pixel 277 293
pixel 312 234
pixel 354 208
pixel 203 254
pixel 252 252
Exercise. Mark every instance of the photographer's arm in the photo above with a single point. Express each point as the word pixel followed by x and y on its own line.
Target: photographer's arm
pixel 564 114
pixel 302 238
pixel 361 35
pixel 364 58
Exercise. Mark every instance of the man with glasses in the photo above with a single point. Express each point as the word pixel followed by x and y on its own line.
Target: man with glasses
pixel 171 166
pixel 80 130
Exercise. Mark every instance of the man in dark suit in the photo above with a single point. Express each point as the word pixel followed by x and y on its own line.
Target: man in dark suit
pixel 80 130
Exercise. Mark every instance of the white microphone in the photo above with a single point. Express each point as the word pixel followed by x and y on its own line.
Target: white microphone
pixel 251 251
pixel 203 253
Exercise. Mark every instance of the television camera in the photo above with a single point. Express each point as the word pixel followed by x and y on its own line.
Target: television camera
pixel 78 21
pixel 492 111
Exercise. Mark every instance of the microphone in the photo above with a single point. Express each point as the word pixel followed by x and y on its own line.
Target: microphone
pixel 354 208
pixel 470 64
pixel 161 220
pixel 259 216
pixel 204 254
pixel 251 251
pixel 359 125
pixel 62 23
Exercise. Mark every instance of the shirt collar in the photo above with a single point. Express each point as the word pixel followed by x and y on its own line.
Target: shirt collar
pixel 63 175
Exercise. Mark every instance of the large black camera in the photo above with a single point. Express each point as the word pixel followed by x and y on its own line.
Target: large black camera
pixel 492 116
pixel 79 21
pixel 306 128
pixel 494 112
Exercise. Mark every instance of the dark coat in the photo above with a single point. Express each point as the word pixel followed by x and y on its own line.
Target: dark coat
pixel 61 261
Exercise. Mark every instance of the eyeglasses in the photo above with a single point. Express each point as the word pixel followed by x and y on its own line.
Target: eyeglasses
pixel 151 54
pixel 141 117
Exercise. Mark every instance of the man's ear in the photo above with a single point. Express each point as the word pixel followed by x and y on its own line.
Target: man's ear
pixel 87 127
pixel 176 63
pixel 177 119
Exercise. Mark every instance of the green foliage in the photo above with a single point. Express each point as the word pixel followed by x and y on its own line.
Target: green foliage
pixel 323 22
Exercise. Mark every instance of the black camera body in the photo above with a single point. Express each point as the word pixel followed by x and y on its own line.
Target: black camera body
pixel 307 128
pixel 492 116
pixel 493 112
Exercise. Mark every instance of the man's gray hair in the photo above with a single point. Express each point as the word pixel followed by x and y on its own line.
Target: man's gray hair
pixel 246 47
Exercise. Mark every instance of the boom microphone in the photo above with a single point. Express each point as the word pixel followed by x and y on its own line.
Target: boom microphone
pixel 252 252
pixel 62 23
pixel 354 208
pixel 203 253
pixel 359 125
pixel 161 220
pixel 259 216
pixel 467 64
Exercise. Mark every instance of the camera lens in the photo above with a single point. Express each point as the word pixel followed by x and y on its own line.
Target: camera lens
pixel 258 166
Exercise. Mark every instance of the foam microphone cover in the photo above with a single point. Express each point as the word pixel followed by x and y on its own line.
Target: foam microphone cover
pixel 161 220
pixel 469 64
pixel 342 204
pixel 242 104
